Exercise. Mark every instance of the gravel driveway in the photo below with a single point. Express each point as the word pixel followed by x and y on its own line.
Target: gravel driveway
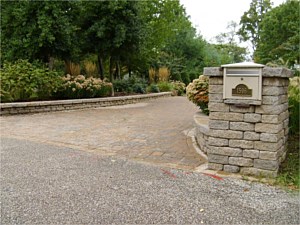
pixel 44 184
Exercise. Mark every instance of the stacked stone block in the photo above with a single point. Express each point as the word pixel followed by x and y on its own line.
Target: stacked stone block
pixel 59 105
pixel 202 131
pixel 245 138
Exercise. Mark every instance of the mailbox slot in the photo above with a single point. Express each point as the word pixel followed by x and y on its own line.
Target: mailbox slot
pixel 243 82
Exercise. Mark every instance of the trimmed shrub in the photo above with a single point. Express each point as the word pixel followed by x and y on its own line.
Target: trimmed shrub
pixel 120 85
pixel 131 85
pixel 197 92
pixel 139 88
pixel 153 88
pixel 165 86
pixel 23 81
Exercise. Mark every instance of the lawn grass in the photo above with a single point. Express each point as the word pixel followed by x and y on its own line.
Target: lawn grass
pixel 289 172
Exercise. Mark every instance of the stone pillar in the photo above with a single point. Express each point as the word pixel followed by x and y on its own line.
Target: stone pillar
pixel 250 139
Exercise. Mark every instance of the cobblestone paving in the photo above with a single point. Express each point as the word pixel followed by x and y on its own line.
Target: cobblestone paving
pixel 152 132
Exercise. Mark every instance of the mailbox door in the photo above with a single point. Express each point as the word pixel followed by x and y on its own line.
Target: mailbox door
pixel 241 87
pixel 242 83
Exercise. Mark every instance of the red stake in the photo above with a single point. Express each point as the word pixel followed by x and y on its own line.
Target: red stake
pixel 168 173
pixel 213 176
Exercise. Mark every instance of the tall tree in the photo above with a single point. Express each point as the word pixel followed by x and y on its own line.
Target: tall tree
pixel 37 30
pixel 163 20
pixel 251 21
pixel 280 35
pixel 227 44
pixel 185 55
pixel 111 30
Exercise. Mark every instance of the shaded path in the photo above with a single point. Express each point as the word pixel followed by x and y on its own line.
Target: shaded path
pixel 151 132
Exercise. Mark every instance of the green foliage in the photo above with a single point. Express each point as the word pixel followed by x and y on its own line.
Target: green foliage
pixel 289 175
pixel 165 86
pixel 116 35
pixel 139 88
pixel 228 46
pixel 81 87
pixel 121 36
pixel 153 88
pixel 37 29
pixel 197 92
pixel 131 85
pixel 184 55
pixel 251 21
pixel 162 21
pixel 22 81
pixel 289 171
pixel 283 23
pixel 294 104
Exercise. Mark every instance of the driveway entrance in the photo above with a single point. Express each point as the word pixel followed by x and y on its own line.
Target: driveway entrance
pixel 152 132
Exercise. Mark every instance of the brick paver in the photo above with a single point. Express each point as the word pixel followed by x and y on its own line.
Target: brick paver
pixel 152 132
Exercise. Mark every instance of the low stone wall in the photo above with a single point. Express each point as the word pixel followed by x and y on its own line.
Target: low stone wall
pixel 59 105
pixel 250 139
pixel 201 130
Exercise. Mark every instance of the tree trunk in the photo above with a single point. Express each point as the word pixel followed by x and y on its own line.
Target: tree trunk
pixel 67 67
pixel 111 72
pixel 129 71
pixel 51 63
pixel 118 70
pixel 101 68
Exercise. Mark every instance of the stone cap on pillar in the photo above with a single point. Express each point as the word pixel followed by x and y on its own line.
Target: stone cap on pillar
pixel 267 72
pixel 243 65
pixel 213 71
pixel 277 72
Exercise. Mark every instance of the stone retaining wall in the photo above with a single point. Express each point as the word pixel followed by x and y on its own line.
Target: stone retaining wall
pixel 201 130
pixel 250 139
pixel 48 106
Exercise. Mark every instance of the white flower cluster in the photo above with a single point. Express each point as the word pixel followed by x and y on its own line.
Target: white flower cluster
pixel 81 86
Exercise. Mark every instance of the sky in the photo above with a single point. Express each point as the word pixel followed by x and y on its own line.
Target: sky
pixel 211 17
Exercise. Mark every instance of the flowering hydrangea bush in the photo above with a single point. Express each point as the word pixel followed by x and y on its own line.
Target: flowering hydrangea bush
pixel 197 92
pixel 179 87
pixel 25 81
pixel 81 87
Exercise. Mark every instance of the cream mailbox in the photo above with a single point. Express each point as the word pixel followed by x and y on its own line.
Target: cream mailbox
pixel 242 83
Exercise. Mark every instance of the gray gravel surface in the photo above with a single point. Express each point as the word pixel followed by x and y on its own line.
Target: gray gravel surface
pixel 43 184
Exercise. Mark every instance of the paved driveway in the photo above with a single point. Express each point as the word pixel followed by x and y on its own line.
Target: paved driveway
pixel 154 131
